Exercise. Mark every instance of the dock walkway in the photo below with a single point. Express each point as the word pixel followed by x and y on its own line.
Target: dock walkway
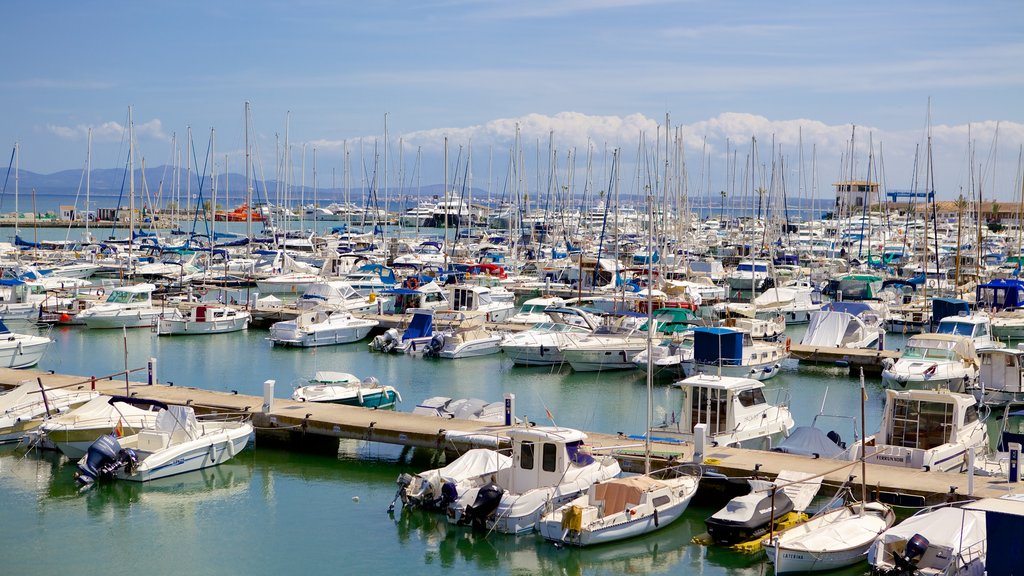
pixel 306 424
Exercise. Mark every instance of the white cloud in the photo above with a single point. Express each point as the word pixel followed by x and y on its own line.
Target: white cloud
pixel 109 131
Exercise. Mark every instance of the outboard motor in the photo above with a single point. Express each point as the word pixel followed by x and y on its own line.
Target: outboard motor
pixel 449 494
pixel 906 564
pixel 102 459
pixel 487 500
pixel 434 346
pixel 835 437
pixel 387 341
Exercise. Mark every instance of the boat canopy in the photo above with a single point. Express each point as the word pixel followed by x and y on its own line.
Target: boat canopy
pixel 809 441
pixel 946 307
pixel 421 325
pixel 962 345
pixel 999 294
pixel 714 345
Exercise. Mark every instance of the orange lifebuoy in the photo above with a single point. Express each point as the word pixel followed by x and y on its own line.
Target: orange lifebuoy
pixel 412 282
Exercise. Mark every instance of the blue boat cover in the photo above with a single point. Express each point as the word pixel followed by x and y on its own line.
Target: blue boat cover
pixel 421 325
pixel 945 307
pixel 711 345
pixel 851 308
pixel 809 441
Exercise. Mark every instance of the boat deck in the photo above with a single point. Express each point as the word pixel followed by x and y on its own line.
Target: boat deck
pixel 306 425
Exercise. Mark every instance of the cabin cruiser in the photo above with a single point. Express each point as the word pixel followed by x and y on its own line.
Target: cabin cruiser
pixel 607 348
pixel 795 304
pixel 321 328
pixel 479 300
pixel 541 344
pixel 1001 377
pixel 934 361
pixel 344 388
pixel 977 326
pixel 734 410
pixel 338 295
pixel 749 276
pixel 532 311
pixel 127 307
pixel 729 352
pixel 177 443
pixel 202 319
pixel 550 468
pixel 928 430
pixel 466 337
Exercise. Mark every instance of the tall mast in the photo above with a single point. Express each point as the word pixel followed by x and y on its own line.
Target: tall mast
pixel 131 188
pixel 88 179
pixel 248 176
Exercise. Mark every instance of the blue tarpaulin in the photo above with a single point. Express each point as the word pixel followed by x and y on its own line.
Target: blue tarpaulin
pixel 714 345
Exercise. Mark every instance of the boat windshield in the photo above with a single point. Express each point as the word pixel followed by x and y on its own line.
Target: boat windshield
pixel 956 328
pixel 917 353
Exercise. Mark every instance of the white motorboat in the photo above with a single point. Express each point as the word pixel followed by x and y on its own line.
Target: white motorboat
pixel 414 339
pixel 795 304
pixel 951 541
pixel 928 430
pixel 23 408
pixel 479 300
pixel 734 410
pixel 1001 377
pixel 619 508
pixel 337 294
pixel 934 361
pixel 321 328
pixel 72 433
pixel 541 345
pixel 178 443
pixel 465 338
pixel 202 319
pixel 730 352
pixel 977 326
pixel 125 307
pixel 436 489
pixel 844 325
pixel 348 389
pixel 21 350
pixel 532 311
pixel 749 276
pixel 833 539
pixel 549 468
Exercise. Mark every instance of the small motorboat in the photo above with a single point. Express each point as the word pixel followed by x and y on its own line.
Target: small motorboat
pixel 949 540
pixel 436 489
pixel 202 319
pixel 348 389
pixel 21 350
pixel 178 443
pixel 768 506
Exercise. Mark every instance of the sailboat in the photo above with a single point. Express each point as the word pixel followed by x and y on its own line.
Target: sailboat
pixel 836 538
pixel 622 508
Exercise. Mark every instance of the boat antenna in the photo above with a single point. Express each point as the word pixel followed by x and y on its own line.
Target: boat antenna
pixel 547 411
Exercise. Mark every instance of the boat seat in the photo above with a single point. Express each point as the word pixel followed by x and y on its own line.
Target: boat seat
pixel 153 440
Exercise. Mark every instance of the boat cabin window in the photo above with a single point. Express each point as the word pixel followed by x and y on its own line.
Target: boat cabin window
pixel 709 406
pixel 956 328
pixel 751 397
pixel 971 415
pixel 526 455
pixel 921 424
pixel 463 300
pixel 549 457
pixel 124 297
pixel 918 353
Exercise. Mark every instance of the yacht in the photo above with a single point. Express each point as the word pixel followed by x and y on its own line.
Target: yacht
pixel 532 311
pixel 541 344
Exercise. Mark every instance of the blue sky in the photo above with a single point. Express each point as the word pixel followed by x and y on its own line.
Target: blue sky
pixel 597 73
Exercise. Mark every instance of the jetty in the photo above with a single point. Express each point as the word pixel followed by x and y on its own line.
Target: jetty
pixel 311 426
pixel 872 361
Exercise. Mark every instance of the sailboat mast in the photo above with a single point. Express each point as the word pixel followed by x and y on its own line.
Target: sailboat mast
pixel 88 179
pixel 131 188
pixel 248 176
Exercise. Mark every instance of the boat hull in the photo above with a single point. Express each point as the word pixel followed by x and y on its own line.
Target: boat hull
pixel 208 451
pixel 174 327
pixel 23 354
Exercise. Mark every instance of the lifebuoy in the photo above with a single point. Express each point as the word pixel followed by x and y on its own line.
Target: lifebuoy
pixel 100 291
pixel 202 291
pixel 412 282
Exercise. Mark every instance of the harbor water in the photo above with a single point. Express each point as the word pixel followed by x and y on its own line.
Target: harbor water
pixel 272 511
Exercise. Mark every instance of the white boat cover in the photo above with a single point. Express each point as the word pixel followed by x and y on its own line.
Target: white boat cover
pixel 475 462
pixel 953 529
pixel 826 329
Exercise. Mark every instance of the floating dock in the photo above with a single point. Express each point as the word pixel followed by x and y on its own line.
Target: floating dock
pixel 870 360
pixel 312 426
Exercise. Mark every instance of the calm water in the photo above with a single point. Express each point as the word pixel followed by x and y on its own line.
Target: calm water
pixel 272 512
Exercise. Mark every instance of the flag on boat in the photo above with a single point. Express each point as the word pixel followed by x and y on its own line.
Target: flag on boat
pixel 548 412
pixel 119 429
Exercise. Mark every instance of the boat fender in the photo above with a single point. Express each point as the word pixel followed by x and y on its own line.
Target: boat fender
pixel 789 342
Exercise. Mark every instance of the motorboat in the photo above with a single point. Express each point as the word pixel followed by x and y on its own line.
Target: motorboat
pixel 125 307
pixel 437 488
pixel 177 443
pixel 337 294
pixel 321 327
pixel 767 507
pixel 934 361
pixel 734 411
pixel 749 276
pixel 19 350
pixel 835 538
pixel 611 346
pixel 549 468
pixel 348 389
pixel 948 540
pixel 24 408
pixel 202 319
pixel 468 338
pixel 844 325
pixel 929 430
pixel 729 352
pixel 415 338
pixel 619 508
pixel 478 300
pixel 541 345
pixel 795 304
pixel 532 311
pixel 462 409
pixel 1001 377
pixel 975 325
pixel 73 432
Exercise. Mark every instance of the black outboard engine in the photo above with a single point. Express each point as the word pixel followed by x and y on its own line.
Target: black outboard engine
pixel 434 346
pixel 835 437
pixel 101 454
pixel 104 457
pixel 906 564
pixel 487 500
pixel 449 494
